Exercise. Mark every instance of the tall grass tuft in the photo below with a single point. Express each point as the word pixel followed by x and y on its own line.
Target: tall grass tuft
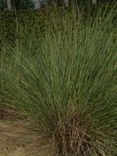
pixel 67 82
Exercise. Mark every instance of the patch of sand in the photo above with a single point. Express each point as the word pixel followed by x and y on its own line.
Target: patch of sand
pixel 18 139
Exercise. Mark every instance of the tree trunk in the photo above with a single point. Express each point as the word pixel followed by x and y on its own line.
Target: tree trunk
pixel 66 3
pixel 36 4
pixel 9 5
pixel 94 1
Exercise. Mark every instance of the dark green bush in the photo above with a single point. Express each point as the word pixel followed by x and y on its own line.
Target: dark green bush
pixel 10 22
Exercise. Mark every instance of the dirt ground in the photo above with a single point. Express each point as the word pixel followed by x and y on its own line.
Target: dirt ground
pixel 18 138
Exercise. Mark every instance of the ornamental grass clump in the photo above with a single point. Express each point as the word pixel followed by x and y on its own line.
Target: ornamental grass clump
pixel 67 83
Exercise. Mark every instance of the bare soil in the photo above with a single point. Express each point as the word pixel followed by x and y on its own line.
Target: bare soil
pixel 19 138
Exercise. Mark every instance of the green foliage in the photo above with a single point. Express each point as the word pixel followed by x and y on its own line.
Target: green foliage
pixel 18 4
pixel 66 81
pixel 10 22
pixel 2 4
pixel 24 4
